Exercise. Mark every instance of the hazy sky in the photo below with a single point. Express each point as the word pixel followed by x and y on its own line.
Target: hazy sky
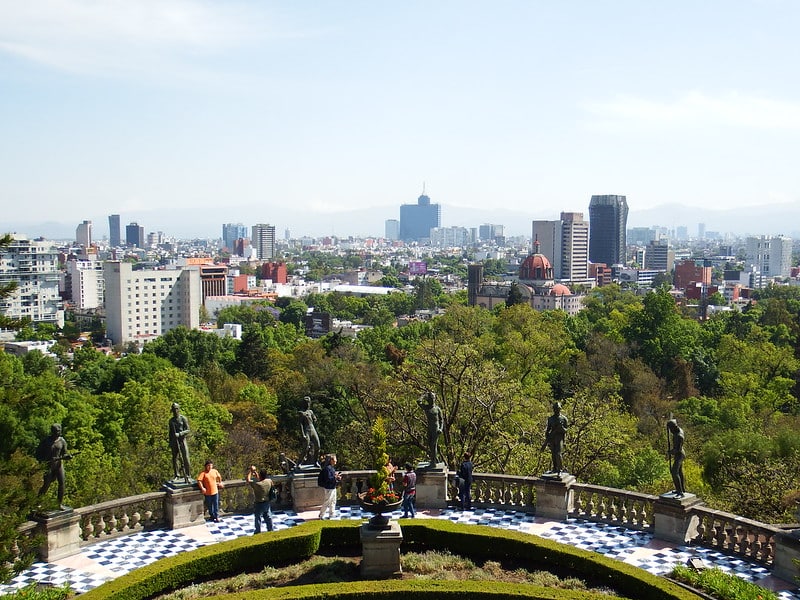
pixel 240 109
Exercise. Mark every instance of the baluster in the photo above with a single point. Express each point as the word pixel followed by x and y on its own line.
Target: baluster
pixel 111 525
pixel 99 527
pixel 123 521
pixel 86 528
pixel 590 512
pixel 701 528
pixel 601 509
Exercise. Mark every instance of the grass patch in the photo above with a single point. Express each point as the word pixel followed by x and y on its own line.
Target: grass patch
pixel 720 584
pixel 431 565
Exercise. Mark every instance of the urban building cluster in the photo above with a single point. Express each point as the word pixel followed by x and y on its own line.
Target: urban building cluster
pixel 141 286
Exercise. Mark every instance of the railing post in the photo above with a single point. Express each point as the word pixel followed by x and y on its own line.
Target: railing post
pixel 555 498
pixel 674 520
pixel 62 532
pixel 787 552
pixel 183 507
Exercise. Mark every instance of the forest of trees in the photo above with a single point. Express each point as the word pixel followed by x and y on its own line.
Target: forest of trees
pixel 620 368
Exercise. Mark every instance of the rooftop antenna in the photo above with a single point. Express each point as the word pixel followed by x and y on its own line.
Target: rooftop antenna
pixel 423 188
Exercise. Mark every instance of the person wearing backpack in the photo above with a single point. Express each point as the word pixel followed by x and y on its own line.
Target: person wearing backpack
pixel 328 478
pixel 264 493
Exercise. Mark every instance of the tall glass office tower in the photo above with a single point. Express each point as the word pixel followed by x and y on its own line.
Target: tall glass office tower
pixel 417 220
pixel 608 218
pixel 114 238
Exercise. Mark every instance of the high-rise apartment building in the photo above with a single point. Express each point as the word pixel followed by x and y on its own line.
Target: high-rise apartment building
pixel 114 238
pixel 566 245
pixel 85 284
pixel 546 236
pixel 232 232
pixel 33 265
pixel 574 246
pixel 83 234
pixel 392 229
pixel 134 235
pixel 659 256
pixel 417 220
pixel 489 232
pixel 142 305
pixel 608 218
pixel 263 240
pixel 770 256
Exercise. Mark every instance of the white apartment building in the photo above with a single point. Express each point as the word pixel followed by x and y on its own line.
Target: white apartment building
pixel 86 283
pixel 33 265
pixel 770 256
pixel 143 305
pixel 566 245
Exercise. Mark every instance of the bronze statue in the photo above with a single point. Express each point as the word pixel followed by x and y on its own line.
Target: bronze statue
pixel 53 449
pixel 178 442
pixel 676 456
pixel 309 453
pixel 435 424
pixel 554 436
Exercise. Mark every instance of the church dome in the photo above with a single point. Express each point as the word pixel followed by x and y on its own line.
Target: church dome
pixel 560 289
pixel 536 267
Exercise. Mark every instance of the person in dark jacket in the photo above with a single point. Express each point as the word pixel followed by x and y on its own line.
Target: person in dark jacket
pixel 464 476
pixel 328 481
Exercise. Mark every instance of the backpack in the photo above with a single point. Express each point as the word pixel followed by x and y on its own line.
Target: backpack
pixel 273 493
pixel 322 478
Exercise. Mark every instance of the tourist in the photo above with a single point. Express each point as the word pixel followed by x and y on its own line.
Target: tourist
pixel 464 478
pixel 261 485
pixel 328 479
pixel 409 492
pixel 210 482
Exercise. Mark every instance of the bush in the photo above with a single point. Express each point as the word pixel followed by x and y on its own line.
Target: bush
pixel 724 586
pixel 473 541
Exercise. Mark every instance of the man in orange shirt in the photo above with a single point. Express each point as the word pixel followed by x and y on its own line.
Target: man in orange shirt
pixel 210 482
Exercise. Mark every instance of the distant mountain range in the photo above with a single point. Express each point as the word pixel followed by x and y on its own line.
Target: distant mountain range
pixel 771 219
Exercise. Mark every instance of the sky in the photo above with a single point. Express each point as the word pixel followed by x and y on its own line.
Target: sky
pixel 186 114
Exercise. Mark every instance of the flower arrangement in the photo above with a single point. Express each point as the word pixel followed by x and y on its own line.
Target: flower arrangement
pixel 378 491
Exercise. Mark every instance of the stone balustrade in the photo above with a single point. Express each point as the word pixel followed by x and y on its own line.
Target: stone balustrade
pixel 120 517
pixel 631 510
pixel 682 520
pixel 733 534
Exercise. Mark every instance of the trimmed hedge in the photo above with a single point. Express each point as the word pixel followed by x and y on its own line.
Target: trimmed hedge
pixel 395 589
pixel 252 553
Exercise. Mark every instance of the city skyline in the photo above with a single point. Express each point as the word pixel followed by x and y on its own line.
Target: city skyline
pixel 301 115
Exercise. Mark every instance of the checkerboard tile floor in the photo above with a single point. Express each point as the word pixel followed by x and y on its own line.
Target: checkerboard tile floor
pixel 109 559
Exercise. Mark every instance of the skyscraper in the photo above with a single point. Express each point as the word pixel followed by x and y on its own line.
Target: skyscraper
pixel 263 240
pixel 417 220
pixel 83 234
pixel 114 238
pixel 574 246
pixel 232 232
pixel 608 218
pixel 392 229
pixel 134 235
pixel 566 244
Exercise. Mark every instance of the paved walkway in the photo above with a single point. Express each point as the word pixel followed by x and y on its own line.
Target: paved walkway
pixel 109 559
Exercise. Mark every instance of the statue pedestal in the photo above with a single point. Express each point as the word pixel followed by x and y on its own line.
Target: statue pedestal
pixel 306 494
pixel 381 551
pixel 432 486
pixel 787 555
pixel 183 505
pixel 62 532
pixel 673 520
pixel 554 496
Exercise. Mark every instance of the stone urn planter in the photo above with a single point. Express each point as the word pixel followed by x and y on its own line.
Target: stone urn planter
pixel 380 511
